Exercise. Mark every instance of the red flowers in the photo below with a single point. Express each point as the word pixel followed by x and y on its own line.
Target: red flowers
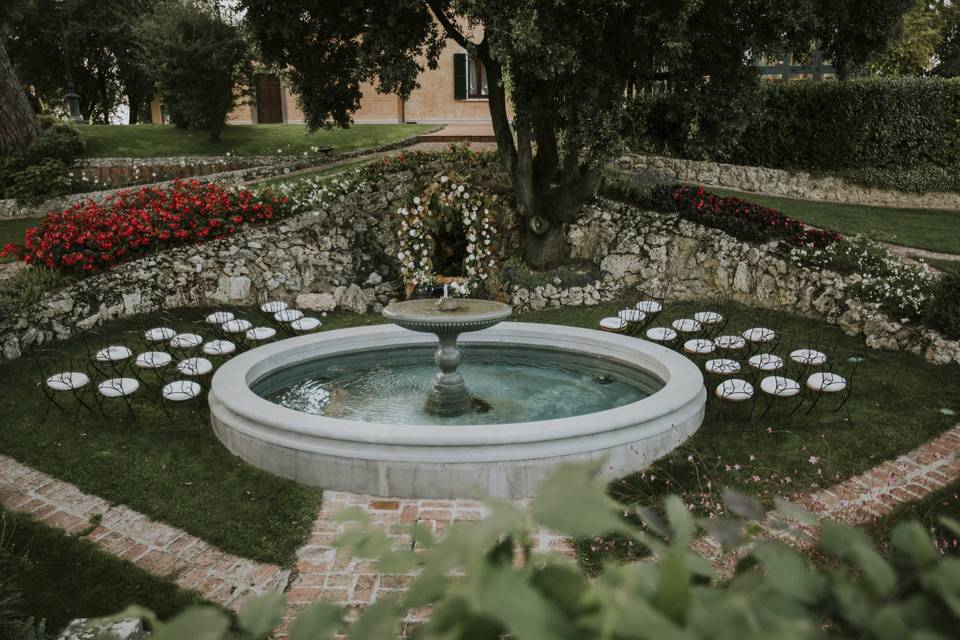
pixel 745 220
pixel 92 236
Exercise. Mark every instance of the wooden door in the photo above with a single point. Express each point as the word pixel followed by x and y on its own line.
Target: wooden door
pixel 269 106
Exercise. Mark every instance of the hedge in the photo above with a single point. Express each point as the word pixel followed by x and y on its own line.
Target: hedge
pixel 830 126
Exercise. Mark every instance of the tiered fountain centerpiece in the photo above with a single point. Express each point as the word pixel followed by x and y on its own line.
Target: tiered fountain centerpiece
pixel 447 318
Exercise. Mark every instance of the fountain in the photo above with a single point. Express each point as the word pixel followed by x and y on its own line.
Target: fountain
pixel 366 410
pixel 447 318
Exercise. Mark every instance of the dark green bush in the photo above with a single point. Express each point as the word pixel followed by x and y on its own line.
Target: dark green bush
pixel 943 310
pixel 60 142
pixel 880 123
pixel 38 182
pixel 919 179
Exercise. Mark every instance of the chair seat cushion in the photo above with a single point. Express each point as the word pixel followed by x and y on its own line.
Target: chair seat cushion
pixel 195 367
pixel 118 387
pixel 237 325
pixel 159 334
pixel 613 324
pixel 273 306
pixel 219 348
pixel 808 357
pixel 219 317
pixel 632 315
pixel 68 380
pixel 181 390
pixel 730 342
pixel 734 389
pixel 759 334
pixel 649 306
pixel 708 317
pixel 153 360
pixel 186 341
pixel 699 346
pixel 780 387
pixel 722 366
pixel 765 362
pixel 826 382
pixel 288 315
pixel 305 323
pixel 661 334
pixel 686 325
pixel 261 333
pixel 114 353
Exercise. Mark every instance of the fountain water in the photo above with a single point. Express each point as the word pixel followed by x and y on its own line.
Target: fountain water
pixel 447 318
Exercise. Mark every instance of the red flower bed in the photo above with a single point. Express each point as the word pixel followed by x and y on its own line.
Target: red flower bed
pixel 745 220
pixel 91 236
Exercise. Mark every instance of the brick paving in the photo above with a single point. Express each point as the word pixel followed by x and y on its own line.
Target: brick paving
pixel 322 572
pixel 153 546
pixel 863 498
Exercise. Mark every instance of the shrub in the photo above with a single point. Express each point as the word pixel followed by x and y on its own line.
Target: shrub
pixel 745 220
pixel 879 123
pixel 900 289
pixel 60 141
pixel 943 310
pixel 92 236
pixel 484 580
pixel 38 182
pixel 919 179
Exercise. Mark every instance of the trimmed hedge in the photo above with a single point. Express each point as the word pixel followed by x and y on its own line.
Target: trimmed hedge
pixel 830 126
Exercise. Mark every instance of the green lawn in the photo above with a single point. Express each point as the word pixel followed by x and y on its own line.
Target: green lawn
pixel 320 173
pixel 931 229
pixel 946 266
pixel 144 141
pixel 186 479
pixel 779 455
pixel 62 577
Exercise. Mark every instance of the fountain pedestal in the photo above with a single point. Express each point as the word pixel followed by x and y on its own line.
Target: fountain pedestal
pixel 447 319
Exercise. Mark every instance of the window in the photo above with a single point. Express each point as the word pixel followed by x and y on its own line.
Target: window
pixel 476 79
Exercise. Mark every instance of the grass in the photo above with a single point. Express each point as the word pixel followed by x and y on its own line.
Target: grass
pixel 62 577
pixel 146 141
pixel 186 479
pixel 320 173
pixel 944 502
pixel 946 266
pixel 895 406
pixel 12 230
pixel 931 229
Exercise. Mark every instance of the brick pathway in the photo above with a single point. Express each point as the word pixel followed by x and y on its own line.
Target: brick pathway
pixel 869 496
pixel 323 572
pixel 154 546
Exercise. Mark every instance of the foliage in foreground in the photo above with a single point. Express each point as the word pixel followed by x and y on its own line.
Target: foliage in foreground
pixel 943 311
pixel 502 587
pixel 42 170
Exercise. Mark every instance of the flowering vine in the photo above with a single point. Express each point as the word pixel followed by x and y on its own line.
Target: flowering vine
pixel 447 199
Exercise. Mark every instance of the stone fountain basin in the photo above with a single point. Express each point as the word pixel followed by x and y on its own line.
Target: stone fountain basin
pixel 468 461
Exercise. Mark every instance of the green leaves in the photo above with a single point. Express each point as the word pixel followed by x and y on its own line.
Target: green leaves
pixel 259 616
pixel 581 485
pixel 319 621
pixel 197 623
pixel 787 572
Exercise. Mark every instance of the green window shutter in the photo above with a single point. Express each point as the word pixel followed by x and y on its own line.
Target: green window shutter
pixel 460 76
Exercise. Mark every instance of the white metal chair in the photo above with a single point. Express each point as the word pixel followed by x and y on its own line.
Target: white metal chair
pixel 305 324
pixel 188 343
pixel 178 392
pixel 721 367
pixel 781 387
pixel 159 334
pixel 217 318
pixel 121 388
pixel 195 367
pixel 219 348
pixel 699 346
pixel 686 325
pixel 260 334
pixel 729 343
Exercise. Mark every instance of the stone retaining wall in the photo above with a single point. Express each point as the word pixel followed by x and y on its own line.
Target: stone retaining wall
pixel 339 257
pixel 650 251
pixel 777 182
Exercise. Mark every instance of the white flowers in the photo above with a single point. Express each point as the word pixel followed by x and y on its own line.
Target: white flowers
pixel 447 198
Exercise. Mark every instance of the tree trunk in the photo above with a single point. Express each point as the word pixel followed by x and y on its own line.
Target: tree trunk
pixel 18 126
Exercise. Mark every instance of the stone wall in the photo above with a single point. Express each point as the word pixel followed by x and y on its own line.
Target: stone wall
pixel 339 257
pixel 640 250
pixel 793 184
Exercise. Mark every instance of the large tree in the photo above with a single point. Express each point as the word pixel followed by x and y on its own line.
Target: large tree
pixel 18 126
pixel 567 66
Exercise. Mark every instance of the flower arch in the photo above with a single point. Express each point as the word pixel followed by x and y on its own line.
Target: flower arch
pixel 451 204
